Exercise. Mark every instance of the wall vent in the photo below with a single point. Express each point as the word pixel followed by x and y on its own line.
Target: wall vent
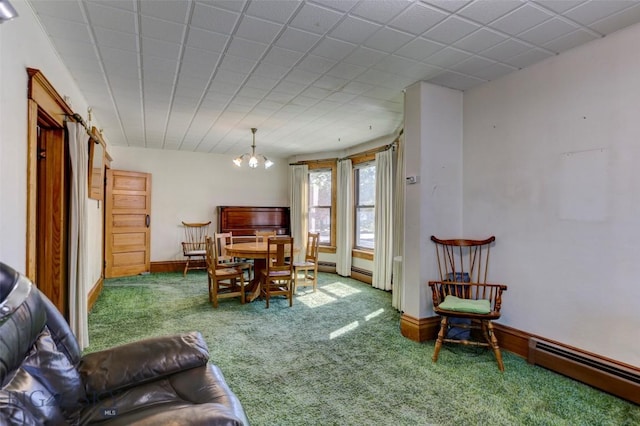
pixel 595 371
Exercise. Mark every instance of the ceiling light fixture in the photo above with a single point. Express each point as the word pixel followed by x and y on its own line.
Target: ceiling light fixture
pixel 7 12
pixel 254 159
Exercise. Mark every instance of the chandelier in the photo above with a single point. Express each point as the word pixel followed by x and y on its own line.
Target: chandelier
pixel 254 159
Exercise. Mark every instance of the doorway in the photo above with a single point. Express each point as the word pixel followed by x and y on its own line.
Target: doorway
pixel 48 165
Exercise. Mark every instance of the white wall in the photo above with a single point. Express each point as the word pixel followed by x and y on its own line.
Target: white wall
pixel 433 206
pixel 188 186
pixel 23 44
pixel 550 160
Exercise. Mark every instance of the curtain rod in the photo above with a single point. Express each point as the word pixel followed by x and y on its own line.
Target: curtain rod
pixel 300 163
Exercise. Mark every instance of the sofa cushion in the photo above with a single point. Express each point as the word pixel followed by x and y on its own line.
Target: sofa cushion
pixel 142 361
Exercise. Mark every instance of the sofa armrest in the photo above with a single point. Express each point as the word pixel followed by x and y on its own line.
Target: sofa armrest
pixel 143 361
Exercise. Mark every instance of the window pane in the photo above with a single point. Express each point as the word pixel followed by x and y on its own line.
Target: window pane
pixel 320 188
pixel 320 221
pixel 365 231
pixel 367 185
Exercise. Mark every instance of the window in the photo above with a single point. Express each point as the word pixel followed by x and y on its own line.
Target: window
pixel 320 204
pixel 322 199
pixel 365 197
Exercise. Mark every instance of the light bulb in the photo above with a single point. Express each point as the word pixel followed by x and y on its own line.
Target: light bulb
pixel 267 163
pixel 253 162
pixel 238 161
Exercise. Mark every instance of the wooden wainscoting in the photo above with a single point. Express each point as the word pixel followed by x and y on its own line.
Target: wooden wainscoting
pixel 419 329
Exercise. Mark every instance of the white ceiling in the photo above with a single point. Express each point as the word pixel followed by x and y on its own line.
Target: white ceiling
pixel 312 76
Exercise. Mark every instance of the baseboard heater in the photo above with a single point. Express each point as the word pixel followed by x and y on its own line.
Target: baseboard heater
pixel 597 372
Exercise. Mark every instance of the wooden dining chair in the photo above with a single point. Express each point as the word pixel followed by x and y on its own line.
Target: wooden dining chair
pixel 194 244
pixel 224 282
pixel 277 277
pixel 310 264
pixel 462 296
pixel 221 240
pixel 262 236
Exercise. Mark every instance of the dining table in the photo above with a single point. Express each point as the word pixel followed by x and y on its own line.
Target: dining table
pixel 256 250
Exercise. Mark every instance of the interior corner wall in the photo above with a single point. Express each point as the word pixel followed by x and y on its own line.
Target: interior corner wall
pixel 24 44
pixel 189 186
pixel 550 168
pixel 433 206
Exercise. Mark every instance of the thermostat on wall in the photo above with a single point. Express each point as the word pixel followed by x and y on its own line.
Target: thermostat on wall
pixel 412 179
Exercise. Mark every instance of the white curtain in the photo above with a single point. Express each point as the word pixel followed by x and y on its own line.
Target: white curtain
pixel 299 207
pixel 344 229
pixel 78 245
pixel 398 227
pixel 383 246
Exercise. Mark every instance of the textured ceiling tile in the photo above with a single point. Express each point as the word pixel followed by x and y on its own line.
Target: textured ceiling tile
pixel 200 58
pixel 315 19
pixel 570 41
pixel 246 49
pixel 161 49
pixel 487 11
pixel 451 30
pixel 547 31
pixel 213 19
pixel 316 64
pixel 297 40
pixel 450 5
pixel 388 40
pixel 417 19
pixel 273 10
pixel 446 57
pixel 354 30
pixel 167 10
pixel 69 11
pixel 258 30
pixel 284 57
pixel 559 6
pixel 207 40
pixel 380 11
pixel 616 21
pixel 472 65
pixel 419 49
pixel 365 57
pixel 346 70
pixel 112 18
pixel 592 11
pixel 162 30
pixel 333 49
pixel 66 30
pixel 521 19
pixel 116 39
pixel 480 40
pixel 236 64
pixel 506 50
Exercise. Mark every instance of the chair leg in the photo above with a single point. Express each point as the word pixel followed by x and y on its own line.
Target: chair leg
pixel 440 340
pixel 186 267
pixel 315 278
pixel 494 345
pixel 242 289
pixel 215 294
pixel 290 294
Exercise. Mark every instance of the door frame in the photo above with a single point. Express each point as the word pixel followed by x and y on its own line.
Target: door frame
pixel 47 108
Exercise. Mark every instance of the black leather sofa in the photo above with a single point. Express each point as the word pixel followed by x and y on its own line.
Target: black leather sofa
pixel 45 380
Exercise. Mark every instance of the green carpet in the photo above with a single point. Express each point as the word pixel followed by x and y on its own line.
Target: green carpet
pixel 337 357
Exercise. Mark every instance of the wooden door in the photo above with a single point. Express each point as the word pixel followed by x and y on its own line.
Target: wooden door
pixel 127 223
pixel 52 216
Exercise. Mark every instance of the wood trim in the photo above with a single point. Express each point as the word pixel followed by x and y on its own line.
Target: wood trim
pixel 326 249
pixel 327 267
pixel 168 266
pixel 46 96
pixel 364 157
pixel 32 187
pixel 419 329
pixel 95 293
pixel 362 254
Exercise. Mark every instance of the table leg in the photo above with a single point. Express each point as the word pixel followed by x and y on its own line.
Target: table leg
pixel 254 287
